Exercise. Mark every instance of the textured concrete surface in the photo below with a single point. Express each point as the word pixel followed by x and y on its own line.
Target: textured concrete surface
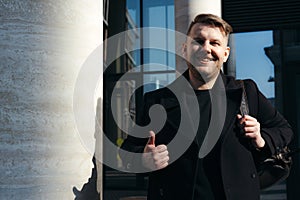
pixel 43 44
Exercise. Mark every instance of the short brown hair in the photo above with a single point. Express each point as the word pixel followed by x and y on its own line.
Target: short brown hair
pixel 211 20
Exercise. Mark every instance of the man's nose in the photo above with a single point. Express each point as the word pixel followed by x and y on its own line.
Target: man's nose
pixel 206 47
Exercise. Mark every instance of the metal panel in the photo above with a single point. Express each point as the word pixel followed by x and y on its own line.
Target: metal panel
pixel 258 15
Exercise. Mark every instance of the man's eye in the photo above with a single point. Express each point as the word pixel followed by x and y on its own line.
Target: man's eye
pixel 215 43
pixel 196 42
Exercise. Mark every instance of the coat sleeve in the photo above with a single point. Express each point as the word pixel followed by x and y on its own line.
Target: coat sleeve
pixel 275 129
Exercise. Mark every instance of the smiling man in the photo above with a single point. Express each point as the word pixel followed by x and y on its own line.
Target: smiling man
pixel 228 171
pixel 206 50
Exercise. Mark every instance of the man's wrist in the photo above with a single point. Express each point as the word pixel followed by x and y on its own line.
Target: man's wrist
pixel 260 143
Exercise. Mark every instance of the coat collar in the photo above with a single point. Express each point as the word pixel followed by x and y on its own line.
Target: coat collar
pixel 233 91
pixel 229 83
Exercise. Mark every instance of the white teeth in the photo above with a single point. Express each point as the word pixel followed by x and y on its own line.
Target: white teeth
pixel 207 59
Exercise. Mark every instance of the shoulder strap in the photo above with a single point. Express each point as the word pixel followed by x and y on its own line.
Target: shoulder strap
pixel 244 103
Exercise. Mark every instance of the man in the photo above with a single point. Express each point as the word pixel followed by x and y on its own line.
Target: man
pixel 228 171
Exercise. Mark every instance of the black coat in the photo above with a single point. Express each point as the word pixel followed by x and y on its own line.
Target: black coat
pixel 237 159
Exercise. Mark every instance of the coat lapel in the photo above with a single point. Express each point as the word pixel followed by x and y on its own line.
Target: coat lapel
pixel 233 106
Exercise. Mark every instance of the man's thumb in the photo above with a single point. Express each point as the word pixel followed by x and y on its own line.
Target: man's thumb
pixel 151 140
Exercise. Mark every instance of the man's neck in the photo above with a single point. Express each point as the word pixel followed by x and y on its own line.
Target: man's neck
pixel 200 84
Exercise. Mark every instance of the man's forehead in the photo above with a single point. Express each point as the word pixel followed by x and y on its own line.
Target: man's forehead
pixel 198 27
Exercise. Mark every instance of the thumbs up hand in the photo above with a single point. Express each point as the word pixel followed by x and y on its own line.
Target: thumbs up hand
pixel 155 157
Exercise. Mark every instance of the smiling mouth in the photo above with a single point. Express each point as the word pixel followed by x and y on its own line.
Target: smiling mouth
pixel 206 60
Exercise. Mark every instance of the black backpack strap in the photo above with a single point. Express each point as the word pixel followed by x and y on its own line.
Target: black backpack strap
pixel 244 108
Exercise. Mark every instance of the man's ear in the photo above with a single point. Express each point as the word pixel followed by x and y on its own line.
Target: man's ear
pixel 226 54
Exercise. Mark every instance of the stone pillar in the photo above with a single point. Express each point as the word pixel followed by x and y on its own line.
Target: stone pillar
pixel 43 46
pixel 230 65
pixel 185 11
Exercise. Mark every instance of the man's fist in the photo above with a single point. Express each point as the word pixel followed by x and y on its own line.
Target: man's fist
pixel 155 157
pixel 252 130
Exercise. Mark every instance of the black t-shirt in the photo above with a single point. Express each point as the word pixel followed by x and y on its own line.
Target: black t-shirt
pixel 208 179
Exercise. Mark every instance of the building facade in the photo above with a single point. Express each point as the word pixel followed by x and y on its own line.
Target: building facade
pixel 280 16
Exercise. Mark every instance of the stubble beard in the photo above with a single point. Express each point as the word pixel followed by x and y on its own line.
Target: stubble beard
pixel 197 74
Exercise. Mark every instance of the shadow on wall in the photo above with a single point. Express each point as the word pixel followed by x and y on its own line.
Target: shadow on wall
pixel 89 189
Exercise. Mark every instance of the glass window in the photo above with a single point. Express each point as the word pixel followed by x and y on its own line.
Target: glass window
pixel 133 36
pixel 156 81
pixel 133 8
pixel 152 68
pixel 159 14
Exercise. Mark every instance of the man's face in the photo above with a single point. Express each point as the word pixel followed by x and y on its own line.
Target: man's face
pixel 206 50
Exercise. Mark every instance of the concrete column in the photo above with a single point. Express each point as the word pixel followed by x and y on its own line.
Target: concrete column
pixel 230 66
pixel 43 46
pixel 185 11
